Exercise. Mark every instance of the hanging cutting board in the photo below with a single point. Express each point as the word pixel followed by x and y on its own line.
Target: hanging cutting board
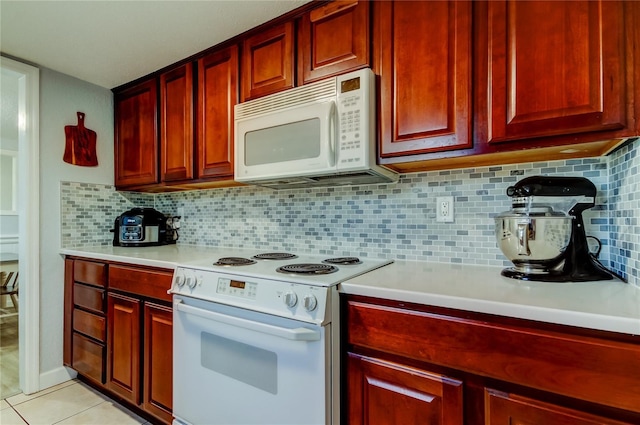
pixel 80 148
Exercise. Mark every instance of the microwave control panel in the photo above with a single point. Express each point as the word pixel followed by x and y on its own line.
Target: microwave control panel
pixel 353 116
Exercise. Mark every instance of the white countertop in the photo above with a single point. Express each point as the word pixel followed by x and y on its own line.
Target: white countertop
pixel 605 305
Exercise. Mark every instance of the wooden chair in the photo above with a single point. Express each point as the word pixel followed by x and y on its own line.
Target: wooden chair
pixel 9 287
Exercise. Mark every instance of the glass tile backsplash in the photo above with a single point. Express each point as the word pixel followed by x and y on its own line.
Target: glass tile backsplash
pixel 394 220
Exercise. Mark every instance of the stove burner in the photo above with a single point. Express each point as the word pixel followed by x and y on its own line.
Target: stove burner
pixel 343 260
pixel 275 256
pixel 307 269
pixel 234 261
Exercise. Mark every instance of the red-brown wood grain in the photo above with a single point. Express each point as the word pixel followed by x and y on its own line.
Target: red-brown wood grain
pixel 333 39
pixel 89 298
pixel 89 272
pixel 153 283
pixel 158 361
pixel 92 325
pixel 218 93
pixel 136 135
pixel 423 57
pixel 88 358
pixel 592 369
pixel 555 68
pixel 268 61
pixel 385 393
pixel 123 344
pixel 177 123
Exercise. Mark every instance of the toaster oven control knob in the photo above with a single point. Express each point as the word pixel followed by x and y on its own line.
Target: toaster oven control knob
pixel 290 298
pixel 309 302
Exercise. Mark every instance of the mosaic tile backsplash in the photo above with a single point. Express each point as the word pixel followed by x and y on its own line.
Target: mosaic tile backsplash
pixel 394 220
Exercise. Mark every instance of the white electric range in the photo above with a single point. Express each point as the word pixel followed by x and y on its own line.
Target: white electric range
pixel 256 337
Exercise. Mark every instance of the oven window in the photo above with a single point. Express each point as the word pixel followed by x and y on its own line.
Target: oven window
pixel 287 142
pixel 245 363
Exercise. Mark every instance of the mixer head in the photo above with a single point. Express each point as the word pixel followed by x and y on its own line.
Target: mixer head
pixel 570 195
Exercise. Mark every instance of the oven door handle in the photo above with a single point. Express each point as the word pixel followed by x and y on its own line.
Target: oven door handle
pixel 297 334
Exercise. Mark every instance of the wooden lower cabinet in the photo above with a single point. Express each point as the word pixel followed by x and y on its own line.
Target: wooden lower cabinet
pixel 386 393
pixel 118 333
pixel 415 364
pixel 158 361
pixel 124 347
pixel 506 409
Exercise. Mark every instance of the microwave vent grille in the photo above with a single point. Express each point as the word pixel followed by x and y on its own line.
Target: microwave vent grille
pixel 287 99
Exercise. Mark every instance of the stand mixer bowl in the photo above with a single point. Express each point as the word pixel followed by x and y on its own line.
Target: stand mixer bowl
pixel 534 243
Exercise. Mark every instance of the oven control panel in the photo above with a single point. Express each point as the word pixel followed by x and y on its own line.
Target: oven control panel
pixel 236 288
pixel 298 301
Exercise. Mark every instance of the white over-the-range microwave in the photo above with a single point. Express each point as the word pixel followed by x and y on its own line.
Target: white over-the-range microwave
pixel 319 134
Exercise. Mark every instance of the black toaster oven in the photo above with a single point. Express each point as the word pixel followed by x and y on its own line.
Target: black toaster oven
pixel 143 227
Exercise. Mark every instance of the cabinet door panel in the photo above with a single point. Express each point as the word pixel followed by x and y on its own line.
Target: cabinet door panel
pixel 424 63
pixel 334 38
pixel 381 393
pixel 506 409
pixel 136 144
pixel 555 68
pixel 124 347
pixel 88 358
pixel 267 62
pixel 217 95
pixel 176 123
pixel 158 361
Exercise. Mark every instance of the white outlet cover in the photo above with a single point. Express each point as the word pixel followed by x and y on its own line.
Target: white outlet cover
pixel 444 209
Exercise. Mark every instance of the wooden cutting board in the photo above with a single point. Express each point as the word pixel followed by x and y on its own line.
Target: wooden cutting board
pixel 80 147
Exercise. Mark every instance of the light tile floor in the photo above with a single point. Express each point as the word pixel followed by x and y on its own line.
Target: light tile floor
pixel 71 402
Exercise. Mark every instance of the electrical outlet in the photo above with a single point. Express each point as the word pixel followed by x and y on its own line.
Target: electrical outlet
pixel 444 209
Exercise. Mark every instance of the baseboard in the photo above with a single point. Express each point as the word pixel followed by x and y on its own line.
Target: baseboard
pixel 56 376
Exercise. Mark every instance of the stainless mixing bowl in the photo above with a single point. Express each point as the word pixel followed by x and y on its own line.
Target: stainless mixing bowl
pixel 533 242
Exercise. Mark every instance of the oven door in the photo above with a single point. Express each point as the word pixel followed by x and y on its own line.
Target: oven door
pixel 235 366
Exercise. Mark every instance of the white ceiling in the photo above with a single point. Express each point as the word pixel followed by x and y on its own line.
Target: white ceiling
pixel 110 43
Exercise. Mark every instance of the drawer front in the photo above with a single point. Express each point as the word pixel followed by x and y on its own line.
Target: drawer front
pixel 89 297
pixel 90 272
pixel 148 283
pixel 592 369
pixel 90 325
pixel 89 358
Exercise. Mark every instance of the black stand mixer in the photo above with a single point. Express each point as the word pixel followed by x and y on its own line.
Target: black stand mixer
pixel 543 234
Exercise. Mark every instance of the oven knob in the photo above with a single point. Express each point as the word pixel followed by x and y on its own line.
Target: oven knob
pixel 191 282
pixel 309 302
pixel 179 280
pixel 290 298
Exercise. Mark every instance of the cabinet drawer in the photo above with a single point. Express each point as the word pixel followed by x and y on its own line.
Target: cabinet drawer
pixel 89 324
pixel 88 358
pixel 89 298
pixel 148 283
pixel 592 369
pixel 90 273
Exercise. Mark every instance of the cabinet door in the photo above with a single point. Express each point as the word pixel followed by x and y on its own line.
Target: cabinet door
pixel 333 38
pixel 176 123
pixel 158 361
pixel 217 95
pixel 123 346
pixel 424 63
pixel 506 409
pixel 267 62
pixel 136 134
pixel 554 68
pixel 384 393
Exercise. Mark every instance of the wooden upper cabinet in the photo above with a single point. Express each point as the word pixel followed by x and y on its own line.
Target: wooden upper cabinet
pixel 554 68
pixel 217 95
pixel 423 52
pixel 333 39
pixel 381 392
pixel 136 138
pixel 268 62
pixel 176 123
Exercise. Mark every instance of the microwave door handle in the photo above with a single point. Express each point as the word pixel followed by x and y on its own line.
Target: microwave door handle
pixel 297 334
pixel 331 120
